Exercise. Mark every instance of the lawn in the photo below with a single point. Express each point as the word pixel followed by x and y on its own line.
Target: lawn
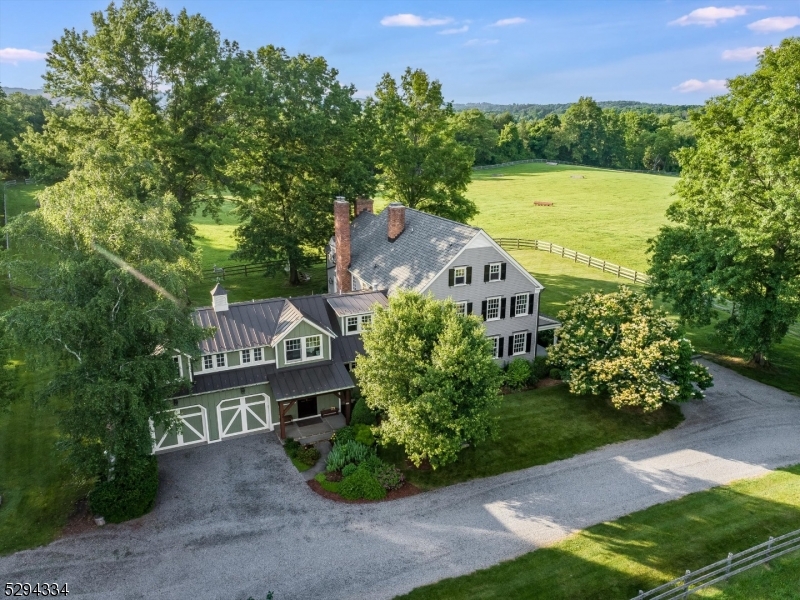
pixel 640 551
pixel 541 426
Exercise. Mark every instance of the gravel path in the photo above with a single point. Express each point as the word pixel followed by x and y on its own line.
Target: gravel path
pixel 236 519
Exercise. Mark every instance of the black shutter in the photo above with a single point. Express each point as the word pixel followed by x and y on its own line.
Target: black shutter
pixel 513 311
pixel 528 342
pixel 500 347
pixel 510 345
pixel 483 309
pixel 469 308
pixel 485 273
pixel 469 275
pixel 451 277
pixel 503 271
pixel 531 298
pixel 502 308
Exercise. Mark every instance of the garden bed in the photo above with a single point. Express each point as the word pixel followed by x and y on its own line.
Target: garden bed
pixel 406 490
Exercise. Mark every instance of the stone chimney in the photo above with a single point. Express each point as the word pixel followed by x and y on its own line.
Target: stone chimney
pixel 219 298
pixel 363 204
pixel 341 224
pixel 397 220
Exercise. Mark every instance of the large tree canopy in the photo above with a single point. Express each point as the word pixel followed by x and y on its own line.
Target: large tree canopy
pixel 430 371
pixel 422 164
pixel 139 54
pixel 736 223
pixel 619 344
pixel 297 140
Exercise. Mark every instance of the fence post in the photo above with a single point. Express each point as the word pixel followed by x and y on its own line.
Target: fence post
pixel 604 266
pixel 686 583
pixel 245 270
pixel 635 273
pixel 769 547
pixel 619 270
pixel 730 558
pixel 562 254
pixel 517 243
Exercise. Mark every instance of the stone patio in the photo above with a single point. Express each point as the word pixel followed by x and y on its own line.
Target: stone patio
pixel 312 431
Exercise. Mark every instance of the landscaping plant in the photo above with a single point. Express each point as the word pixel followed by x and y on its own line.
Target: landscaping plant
pixel 364 435
pixel 363 414
pixel 351 452
pixel 517 374
pixel 128 491
pixel 361 485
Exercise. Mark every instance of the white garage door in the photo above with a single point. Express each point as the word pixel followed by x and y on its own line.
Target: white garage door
pixel 192 429
pixel 243 415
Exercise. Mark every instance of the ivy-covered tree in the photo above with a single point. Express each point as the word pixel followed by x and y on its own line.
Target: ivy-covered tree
pixel 619 344
pixel 422 163
pixel 735 231
pixel 430 371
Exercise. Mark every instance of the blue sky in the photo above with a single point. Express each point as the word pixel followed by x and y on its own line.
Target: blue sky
pixel 502 52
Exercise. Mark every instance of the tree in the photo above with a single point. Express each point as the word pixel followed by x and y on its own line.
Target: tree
pixel 17 112
pixel 473 129
pixel 422 164
pixel 297 140
pixel 582 126
pixel 97 321
pixel 619 344
pixel 736 223
pixel 139 53
pixel 430 371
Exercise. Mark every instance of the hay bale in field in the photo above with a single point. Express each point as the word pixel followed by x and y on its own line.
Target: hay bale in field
pixel 577 177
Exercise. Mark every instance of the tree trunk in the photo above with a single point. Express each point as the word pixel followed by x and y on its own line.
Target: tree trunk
pixel 294 276
pixel 759 359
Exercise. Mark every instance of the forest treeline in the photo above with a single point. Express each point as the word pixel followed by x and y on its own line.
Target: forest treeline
pixel 626 136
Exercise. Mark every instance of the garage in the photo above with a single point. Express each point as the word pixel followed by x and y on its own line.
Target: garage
pixel 246 414
pixel 193 429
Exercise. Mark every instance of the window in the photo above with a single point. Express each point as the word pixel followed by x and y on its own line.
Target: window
pixel 208 362
pixel 492 309
pixel 294 350
pixel 366 320
pixel 220 360
pixel 258 354
pixel 495 347
pixel 352 324
pixel 521 304
pixel 313 346
pixel 357 323
pixel 519 343
pixel 460 276
pixel 461 308
pixel 245 356
pixel 177 361
pixel 494 272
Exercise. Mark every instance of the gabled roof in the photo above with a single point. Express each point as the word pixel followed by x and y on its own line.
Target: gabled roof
pixel 219 290
pixel 425 247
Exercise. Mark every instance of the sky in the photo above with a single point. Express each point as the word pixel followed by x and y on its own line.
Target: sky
pixel 502 52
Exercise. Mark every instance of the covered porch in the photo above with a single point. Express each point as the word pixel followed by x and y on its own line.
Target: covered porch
pixel 315 429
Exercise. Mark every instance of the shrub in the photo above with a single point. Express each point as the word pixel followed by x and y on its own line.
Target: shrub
pixel 545 338
pixel 347 453
pixel 372 464
pixel 539 367
pixel 308 455
pixel 361 485
pixel 327 485
pixel 363 414
pixel 555 373
pixel 292 447
pixel 345 434
pixel 364 434
pixel 388 476
pixel 518 371
pixel 130 494
pixel 349 470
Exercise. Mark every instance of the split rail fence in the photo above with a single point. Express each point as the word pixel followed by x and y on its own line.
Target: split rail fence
pixel 690 583
pixel 246 269
pixel 575 256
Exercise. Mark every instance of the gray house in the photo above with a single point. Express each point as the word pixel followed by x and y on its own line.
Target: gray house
pixel 403 248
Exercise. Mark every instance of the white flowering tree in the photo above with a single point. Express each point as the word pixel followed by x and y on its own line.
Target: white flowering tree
pixel 621 345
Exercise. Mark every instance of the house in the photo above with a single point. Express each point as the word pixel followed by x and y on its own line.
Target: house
pixel 281 362
pixel 403 248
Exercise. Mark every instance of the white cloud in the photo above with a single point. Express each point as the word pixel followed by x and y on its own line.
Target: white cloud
pixel 12 56
pixel 710 15
pixel 511 21
pixel 774 24
pixel 480 42
pixel 695 85
pixel 463 29
pixel 743 54
pixel 409 20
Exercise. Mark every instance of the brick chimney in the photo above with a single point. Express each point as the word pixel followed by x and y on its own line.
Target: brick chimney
pixel 397 220
pixel 363 204
pixel 341 223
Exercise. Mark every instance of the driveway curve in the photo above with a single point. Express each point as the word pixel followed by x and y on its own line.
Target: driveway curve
pixel 235 519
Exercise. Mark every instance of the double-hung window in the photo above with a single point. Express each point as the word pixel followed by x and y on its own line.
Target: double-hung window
pixel 521 304
pixel 460 276
pixel 208 362
pixel 492 308
pixel 461 307
pixel 518 346
pixel 304 348
pixel 352 324
pixel 357 323
pixel 313 346
pixel 365 320
pixel 220 360
pixel 294 349
pixel 246 356
pixel 495 347
pixel 494 271
pixel 258 354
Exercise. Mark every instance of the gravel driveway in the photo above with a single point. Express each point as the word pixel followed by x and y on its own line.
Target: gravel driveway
pixel 235 519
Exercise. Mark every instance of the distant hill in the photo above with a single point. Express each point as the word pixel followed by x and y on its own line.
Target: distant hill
pixel 538 111
pixel 29 92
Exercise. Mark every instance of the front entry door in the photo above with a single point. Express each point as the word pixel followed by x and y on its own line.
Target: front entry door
pixel 307 407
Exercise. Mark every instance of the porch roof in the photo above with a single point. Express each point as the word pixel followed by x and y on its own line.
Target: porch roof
pixel 310 381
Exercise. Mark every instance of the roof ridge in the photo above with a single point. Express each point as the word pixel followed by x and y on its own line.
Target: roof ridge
pixel 427 214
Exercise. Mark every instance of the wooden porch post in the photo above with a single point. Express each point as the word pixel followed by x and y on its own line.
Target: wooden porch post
pixel 347 407
pixel 283 408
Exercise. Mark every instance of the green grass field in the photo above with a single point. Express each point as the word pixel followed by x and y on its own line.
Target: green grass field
pixel 614 560
pixel 537 427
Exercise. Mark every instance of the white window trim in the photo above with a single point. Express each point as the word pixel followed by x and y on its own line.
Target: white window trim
pixel 224 356
pixel 253 360
pixel 499 266
pixel 455 275
pixel 303 357
pixel 180 365
pixel 359 323
pixel 499 305
pixel 516 304
pixel 496 349
pixel 461 303
pixel 514 335
pixel 203 362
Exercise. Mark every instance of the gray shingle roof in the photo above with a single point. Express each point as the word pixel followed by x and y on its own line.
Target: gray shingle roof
pixel 425 247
